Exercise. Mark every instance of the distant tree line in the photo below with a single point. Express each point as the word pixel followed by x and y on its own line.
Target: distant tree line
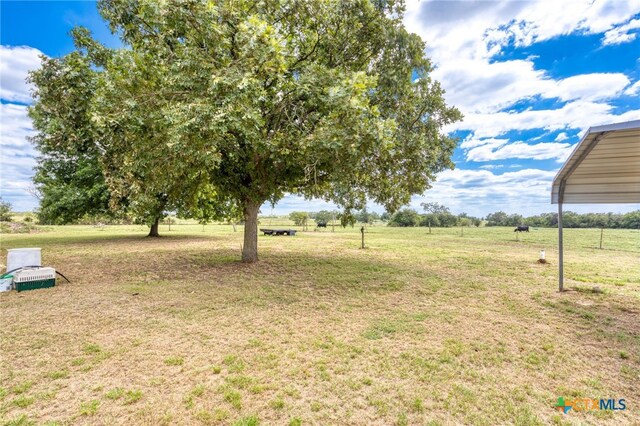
pixel 437 215
pixel 326 217
pixel 570 219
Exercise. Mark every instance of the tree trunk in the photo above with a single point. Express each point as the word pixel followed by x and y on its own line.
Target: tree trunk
pixel 153 232
pixel 250 247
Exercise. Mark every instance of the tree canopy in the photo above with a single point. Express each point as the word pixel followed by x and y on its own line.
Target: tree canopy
pixel 218 106
pixel 324 216
pixel 68 175
pixel 299 218
pixel 405 218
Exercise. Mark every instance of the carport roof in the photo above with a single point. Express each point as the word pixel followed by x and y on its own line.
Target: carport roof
pixel 603 168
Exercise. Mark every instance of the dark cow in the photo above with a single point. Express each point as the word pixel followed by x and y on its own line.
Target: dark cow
pixel 521 229
pixel 322 224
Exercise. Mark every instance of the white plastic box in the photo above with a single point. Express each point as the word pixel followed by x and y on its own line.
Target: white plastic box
pixel 18 258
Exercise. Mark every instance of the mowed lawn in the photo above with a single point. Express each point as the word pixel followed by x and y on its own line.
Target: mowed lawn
pixel 418 328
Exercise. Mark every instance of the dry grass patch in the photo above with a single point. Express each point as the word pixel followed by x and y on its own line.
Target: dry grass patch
pixel 417 329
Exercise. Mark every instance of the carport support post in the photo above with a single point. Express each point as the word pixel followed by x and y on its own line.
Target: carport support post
pixel 560 251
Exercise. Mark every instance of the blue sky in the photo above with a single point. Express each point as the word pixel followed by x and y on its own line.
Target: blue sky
pixel 530 77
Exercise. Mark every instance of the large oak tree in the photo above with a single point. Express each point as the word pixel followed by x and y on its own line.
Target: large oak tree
pixel 239 102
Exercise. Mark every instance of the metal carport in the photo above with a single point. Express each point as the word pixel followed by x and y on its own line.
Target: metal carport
pixel 604 168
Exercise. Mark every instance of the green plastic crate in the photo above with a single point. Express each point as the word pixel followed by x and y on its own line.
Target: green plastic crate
pixel 34 285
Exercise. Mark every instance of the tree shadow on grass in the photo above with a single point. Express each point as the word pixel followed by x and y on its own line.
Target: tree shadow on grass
pixel 93 239
pixel 127 259
pixel 302 271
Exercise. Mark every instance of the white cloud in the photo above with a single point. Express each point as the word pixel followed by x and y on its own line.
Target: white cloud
pixel 622 33
pixel 573 115
pixel 473 29
pixel 481 86
pixel 291 203
pixel 522 150
pixel 494 149
pixel 479 192
pixel 15 126
pixel 16 156
pixel 15 63
pixel 634 89
pixel 472 142
pixel 589 87
pixel 465 40
pixel 561 137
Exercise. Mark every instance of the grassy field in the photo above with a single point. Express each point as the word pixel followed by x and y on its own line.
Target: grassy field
pixel 417 328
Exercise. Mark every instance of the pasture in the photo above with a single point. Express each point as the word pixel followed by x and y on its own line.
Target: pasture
pixel 417 328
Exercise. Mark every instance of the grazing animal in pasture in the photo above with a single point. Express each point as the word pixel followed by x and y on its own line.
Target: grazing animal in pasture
pixel 322 224
pixel 521 229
